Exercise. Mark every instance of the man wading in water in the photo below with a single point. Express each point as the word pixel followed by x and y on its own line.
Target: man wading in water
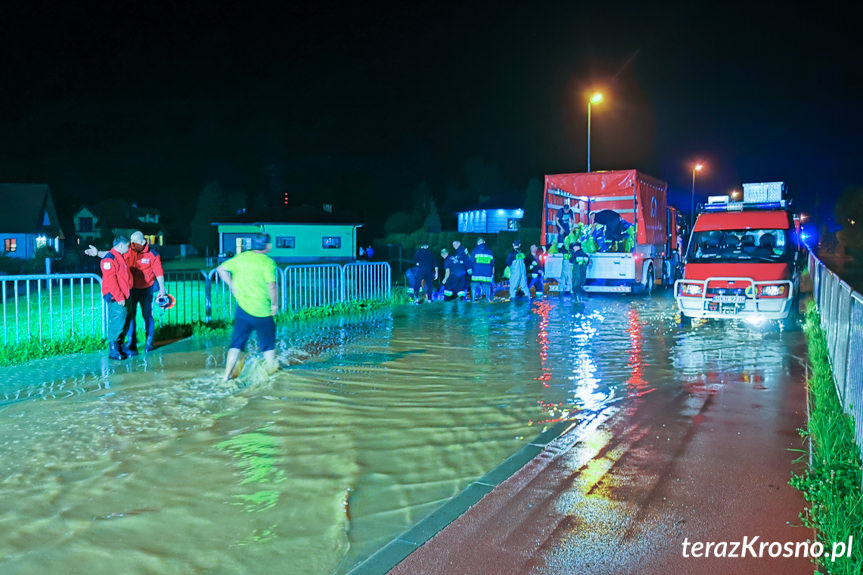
pixel 251 276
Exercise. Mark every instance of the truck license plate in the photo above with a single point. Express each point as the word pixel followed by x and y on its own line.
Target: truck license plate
pixel 723 308
pixel 729 298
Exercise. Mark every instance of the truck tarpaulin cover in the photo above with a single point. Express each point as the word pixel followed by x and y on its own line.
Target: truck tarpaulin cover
pixel 617 190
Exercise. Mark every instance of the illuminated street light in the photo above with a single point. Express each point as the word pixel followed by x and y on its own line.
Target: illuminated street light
pixel 595 99
pixel 696 168
pixel 735 194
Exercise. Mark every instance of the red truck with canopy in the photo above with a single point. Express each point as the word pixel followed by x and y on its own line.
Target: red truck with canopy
pixel 622 220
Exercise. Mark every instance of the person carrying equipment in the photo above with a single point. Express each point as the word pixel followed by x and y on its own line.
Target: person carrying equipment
pixel 482 271
pixel 517 271
pixel 251 277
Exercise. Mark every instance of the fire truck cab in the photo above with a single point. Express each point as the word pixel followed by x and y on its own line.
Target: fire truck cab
pixel 742 259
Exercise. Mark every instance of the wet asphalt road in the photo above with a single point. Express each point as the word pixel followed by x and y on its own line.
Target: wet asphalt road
pixel 700 449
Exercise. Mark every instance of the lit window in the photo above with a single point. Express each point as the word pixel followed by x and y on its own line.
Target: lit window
pixel 513 223
pixel 11 245
pixel 286 242
pixel 332 242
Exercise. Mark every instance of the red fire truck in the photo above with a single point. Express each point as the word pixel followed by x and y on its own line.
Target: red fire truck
pixel 629 201
pixel 742 259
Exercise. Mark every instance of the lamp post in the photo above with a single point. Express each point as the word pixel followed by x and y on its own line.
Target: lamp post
pixel 595 99
pixel 697 168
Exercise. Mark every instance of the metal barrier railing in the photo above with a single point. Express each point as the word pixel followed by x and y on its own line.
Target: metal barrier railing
pixel 44 307
pixel 311 286
pixel 841 311
pixel 366 281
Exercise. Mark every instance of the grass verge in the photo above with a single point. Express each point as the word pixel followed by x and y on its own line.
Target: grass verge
pixel 832 483
pixel 15 354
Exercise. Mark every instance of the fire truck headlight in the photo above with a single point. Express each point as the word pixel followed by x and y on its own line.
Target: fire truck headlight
pixel 773 291
pixel 692 289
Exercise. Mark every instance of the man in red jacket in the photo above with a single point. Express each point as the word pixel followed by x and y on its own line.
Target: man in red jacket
pixel 146 267
pixel 145 264
pixel 116 284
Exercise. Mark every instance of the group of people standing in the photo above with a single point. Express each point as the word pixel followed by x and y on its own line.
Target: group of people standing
pixel 131 272
pixel 470 276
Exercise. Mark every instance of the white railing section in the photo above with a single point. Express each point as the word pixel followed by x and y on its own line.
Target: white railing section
pixel 46 307
pixel 841 311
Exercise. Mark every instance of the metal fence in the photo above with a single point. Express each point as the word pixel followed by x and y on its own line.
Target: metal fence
pixel 841 311
pixel 45 307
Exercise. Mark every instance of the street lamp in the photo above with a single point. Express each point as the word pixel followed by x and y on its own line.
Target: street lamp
pixel 696 168
pixel 595 99
pixel 735 194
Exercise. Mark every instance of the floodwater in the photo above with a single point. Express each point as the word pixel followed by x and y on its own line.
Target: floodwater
pixel 155 466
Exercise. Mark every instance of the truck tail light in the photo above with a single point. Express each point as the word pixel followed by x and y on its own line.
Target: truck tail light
pixel 773 290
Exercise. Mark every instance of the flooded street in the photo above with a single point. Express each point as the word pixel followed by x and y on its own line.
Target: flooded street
pixel 155 466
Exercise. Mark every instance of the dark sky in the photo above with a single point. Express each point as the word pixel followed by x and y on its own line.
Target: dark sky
pixel 148 101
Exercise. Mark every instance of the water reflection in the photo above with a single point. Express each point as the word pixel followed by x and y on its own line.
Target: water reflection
pixel 376 420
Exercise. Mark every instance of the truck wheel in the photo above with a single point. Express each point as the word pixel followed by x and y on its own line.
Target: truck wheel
pixel 791 321
pixel 685 321
pixel 650 281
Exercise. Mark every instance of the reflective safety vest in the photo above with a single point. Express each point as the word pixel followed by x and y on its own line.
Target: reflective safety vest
pixel 483 264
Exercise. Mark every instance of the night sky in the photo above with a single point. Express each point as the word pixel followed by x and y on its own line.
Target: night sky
pixel 357 105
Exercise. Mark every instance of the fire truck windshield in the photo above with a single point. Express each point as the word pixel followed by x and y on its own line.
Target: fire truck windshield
pixel 740 245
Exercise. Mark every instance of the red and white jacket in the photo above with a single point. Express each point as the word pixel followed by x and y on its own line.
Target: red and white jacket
pixel 116 277
pixel 146 266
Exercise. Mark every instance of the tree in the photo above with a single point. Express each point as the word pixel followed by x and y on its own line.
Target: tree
pixel 209 209
pixel 849 214
pixel 432 223
pixel 399 223
pixel 533 204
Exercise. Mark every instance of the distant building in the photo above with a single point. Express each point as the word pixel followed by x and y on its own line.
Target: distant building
pixel 300 235
pixel 100 221
pixel 28 220
pixel 492 216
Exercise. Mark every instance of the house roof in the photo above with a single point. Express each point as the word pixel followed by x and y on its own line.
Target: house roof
pixel 513 201
pixel 291 215
pixel 118 214
pixel 24 209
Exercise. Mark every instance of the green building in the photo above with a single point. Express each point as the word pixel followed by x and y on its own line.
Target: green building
pixel 300 235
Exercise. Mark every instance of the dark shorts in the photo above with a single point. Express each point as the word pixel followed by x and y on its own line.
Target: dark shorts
pixel 245 324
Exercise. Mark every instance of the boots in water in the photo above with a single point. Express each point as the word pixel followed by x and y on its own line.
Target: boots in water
pixel 115 351
pixel 150 346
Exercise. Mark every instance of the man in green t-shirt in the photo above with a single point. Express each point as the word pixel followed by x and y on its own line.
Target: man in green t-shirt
pixel 251 276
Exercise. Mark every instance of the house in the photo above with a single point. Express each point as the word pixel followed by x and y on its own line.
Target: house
pixel 28 220
pixel 102 220
pixel 492 216
pixel 300 234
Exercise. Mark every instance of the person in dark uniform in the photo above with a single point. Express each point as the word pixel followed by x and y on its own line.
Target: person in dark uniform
pixel 563 221
pixel 425 272
pixel 482 271
pixel 442 273
pixel 456 266
pixel 535 272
